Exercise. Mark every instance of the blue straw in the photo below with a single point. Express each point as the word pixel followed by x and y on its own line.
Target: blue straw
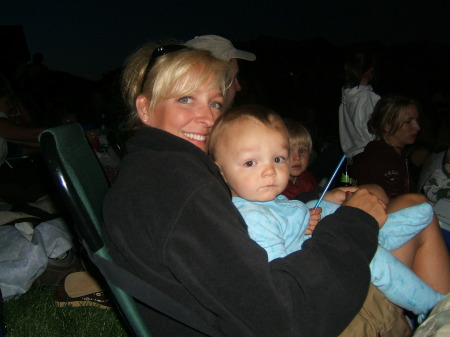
pixel 330 181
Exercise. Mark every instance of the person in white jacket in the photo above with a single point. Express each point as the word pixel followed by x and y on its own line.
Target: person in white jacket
pixel 358 101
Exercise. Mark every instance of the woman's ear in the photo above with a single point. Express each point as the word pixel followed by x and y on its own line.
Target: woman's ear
pixel 143 109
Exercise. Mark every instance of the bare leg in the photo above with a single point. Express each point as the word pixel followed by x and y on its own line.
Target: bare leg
pixel 426 254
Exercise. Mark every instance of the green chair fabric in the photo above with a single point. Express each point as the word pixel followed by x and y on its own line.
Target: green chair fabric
pixel 83 185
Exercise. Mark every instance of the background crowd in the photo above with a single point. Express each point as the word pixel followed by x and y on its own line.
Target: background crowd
pixel 301 80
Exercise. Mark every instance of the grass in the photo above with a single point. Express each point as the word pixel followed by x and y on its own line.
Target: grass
pixel 35 314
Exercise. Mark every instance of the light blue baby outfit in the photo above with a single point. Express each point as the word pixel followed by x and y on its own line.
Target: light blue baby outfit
pixel 279 227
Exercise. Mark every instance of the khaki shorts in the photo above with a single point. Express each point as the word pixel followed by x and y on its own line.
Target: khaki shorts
pixel 377 318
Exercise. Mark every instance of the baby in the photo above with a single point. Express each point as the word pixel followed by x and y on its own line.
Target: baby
pixel 251 147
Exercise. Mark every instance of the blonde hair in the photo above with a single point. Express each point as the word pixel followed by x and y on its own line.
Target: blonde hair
pixel 390 110
pixel 175 74
pixel 298 134
pixel 260 113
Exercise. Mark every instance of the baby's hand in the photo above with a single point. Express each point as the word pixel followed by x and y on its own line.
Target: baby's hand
pixel 315 216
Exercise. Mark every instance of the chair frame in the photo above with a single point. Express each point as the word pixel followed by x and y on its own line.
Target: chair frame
pixel 87 220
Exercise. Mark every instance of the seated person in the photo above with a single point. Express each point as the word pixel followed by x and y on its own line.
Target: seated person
pixel 300 179
pixel 395 124
pixel 250 145
pixel 26 190
pixel 178 229
pixel 434 161
pixel 11 127
pixel 21 180
pixel 23 174
pixel 438 184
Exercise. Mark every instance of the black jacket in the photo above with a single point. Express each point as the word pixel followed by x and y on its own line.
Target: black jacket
pixel 170 220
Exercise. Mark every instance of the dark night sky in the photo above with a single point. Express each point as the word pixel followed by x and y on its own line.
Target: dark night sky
pixel 89 38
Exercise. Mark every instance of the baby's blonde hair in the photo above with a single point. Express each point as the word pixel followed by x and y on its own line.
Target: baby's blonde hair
pixel 257 112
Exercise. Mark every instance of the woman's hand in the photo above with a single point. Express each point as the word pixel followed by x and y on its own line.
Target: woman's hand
pixel 369 203
pixel 338 195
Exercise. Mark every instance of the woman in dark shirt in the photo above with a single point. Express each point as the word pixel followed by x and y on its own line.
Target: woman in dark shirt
pixel 394 123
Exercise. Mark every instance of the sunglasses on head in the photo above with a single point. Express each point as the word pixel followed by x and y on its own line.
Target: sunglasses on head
pixel 158 52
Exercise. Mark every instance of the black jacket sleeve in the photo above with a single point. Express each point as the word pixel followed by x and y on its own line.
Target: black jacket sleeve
pixel 316 291
pixel 178 229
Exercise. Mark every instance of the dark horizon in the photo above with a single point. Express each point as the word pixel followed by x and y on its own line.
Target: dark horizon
pixel 91 38
pixel 297 74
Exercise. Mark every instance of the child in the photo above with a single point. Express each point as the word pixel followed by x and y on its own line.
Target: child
pixel 300 179
pixel 438 185
pixel 357 104
pixel 250 145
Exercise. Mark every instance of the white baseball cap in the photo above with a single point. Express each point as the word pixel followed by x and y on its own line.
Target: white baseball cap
pixel 219 47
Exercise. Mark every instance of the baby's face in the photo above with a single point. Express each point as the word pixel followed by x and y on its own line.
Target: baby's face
pixel 254 160
pixel 299 155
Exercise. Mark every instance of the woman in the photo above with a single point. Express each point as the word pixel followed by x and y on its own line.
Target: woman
pixel 176 219
pixel 170 220
pixel 394 123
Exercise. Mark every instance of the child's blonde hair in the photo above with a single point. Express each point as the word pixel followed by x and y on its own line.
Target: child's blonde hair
pixel 298 134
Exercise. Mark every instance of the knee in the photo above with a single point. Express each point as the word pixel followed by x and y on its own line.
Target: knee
pixel 411 199
pixel 405 200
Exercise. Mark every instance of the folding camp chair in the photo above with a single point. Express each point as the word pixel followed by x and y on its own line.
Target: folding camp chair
pixel 83 185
